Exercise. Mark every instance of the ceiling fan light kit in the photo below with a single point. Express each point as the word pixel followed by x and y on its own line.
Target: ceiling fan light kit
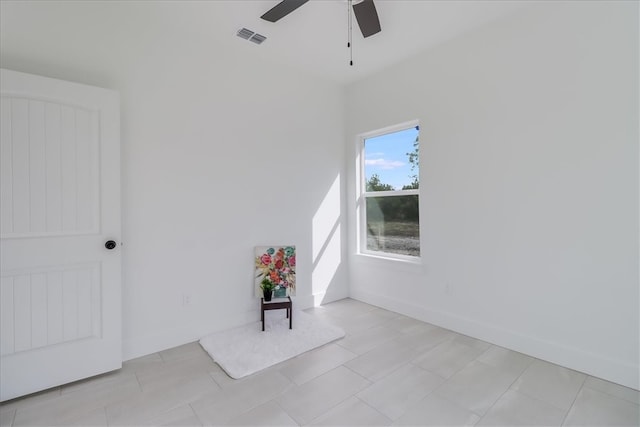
pixel 364 11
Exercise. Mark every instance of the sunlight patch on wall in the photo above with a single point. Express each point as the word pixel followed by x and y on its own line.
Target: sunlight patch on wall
pixel 325 219
pixel 326 240
pixel 327 264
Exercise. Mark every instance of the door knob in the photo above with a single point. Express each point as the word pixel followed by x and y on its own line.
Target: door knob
pixel 110 244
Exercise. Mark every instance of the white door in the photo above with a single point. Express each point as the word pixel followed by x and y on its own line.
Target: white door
pixel 60 300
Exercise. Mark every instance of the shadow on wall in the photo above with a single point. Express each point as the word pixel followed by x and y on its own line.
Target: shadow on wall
pixel 326 244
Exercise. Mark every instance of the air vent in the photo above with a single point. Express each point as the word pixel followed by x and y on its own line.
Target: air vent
pixel 257 38
pixel 247 34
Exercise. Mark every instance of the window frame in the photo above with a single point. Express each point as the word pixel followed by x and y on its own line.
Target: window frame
pixel 362 194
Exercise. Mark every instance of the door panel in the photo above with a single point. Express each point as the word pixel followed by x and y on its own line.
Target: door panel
pixel 50 306
pixel 60 287
pixel 50 183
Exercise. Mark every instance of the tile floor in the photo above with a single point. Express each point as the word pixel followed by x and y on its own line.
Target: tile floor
pixel 388 370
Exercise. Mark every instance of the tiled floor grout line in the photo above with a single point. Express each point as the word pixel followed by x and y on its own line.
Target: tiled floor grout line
pixel 372 382
pixel 135 374
pixel 540 400
pixel 508 388
pixel 607 393
pixel 285 411
pixel 357 373
pixel 321 415
pixel 574 400
pixel 195 413
pixel 375 409
pixel 104 409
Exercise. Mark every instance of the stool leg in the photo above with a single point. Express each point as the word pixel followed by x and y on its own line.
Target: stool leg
pixel 290 317
pixel 262 318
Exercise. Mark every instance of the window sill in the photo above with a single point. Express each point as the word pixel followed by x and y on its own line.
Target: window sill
pixel 400 259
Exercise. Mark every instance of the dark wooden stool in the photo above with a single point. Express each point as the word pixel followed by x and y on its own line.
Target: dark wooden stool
pixel 276 305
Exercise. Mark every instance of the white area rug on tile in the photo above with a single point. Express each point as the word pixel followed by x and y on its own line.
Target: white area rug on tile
pixel 245 350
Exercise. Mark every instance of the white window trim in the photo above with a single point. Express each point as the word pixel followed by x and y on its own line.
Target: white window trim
pixel 362 194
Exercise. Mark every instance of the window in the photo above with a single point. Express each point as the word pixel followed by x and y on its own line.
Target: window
pixel 389 179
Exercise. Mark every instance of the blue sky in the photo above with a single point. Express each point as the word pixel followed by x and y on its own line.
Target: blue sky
pixel 386 155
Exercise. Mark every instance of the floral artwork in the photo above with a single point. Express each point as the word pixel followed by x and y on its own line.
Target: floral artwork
pixel 278 264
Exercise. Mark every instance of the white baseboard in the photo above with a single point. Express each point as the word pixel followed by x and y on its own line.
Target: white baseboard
pixel 317 299
pixel 142 346
pixel 152 343
pixel 616 371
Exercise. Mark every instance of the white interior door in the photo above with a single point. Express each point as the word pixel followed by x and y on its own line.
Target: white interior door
pixel 60 313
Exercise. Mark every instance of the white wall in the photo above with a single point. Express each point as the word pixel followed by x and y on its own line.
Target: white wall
pixel 529 185
pixel 221 151
pixel 529 205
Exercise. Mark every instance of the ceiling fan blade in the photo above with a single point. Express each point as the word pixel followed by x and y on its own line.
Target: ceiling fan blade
pixel 367 17
pixel 282 9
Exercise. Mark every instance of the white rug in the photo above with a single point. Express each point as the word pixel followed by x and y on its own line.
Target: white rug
pixel 245 350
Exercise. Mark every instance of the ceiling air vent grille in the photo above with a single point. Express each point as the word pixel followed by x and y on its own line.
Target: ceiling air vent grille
pixel 257 38
pixel 247 34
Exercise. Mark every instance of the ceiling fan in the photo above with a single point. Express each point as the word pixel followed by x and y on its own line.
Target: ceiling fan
pixel 364 11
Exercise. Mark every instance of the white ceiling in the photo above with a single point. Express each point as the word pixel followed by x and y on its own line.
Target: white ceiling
pixel 313 38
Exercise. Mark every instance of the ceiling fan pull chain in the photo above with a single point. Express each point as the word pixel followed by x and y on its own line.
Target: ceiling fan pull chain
pixel 364 11
pixel 350 28
pixel 348 32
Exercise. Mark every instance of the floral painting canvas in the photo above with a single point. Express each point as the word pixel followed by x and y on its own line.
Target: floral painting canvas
pixel 278 264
